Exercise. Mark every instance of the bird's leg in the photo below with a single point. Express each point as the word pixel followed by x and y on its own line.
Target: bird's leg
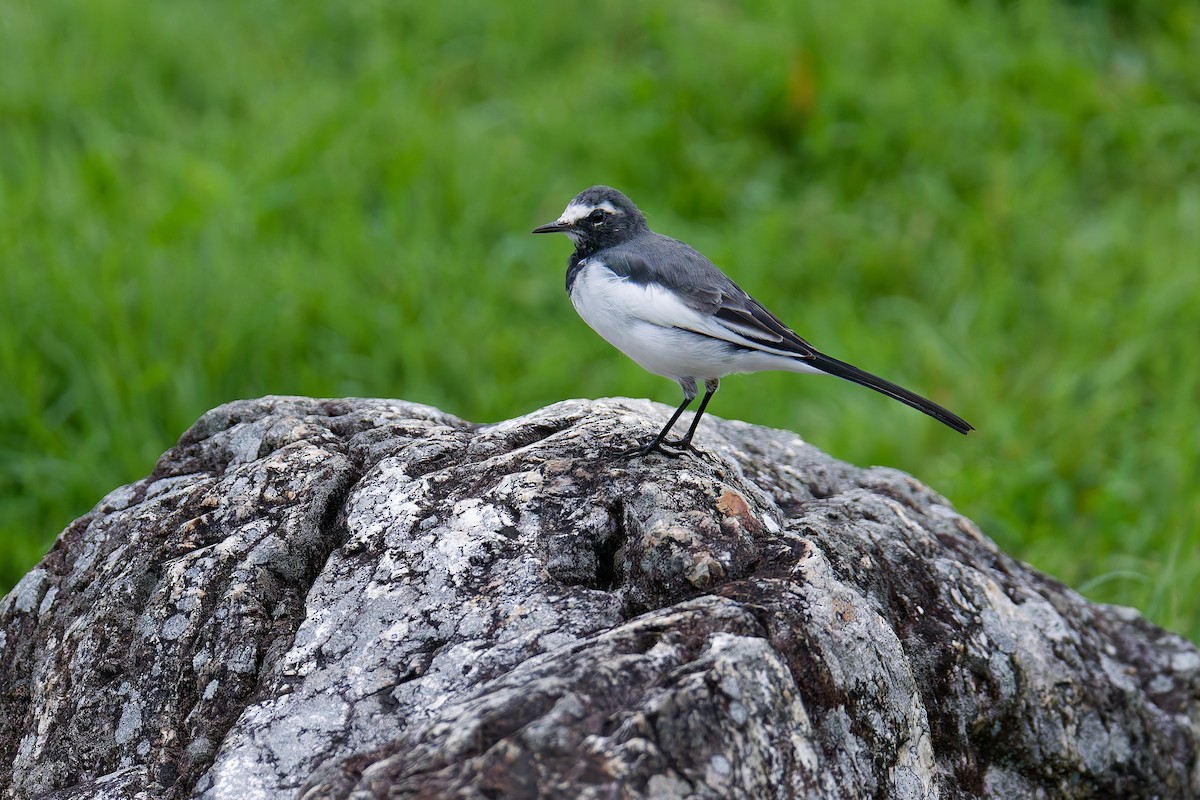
pixel 710 388
pixel 689 394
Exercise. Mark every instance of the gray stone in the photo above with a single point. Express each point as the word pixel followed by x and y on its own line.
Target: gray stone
pixel 368 598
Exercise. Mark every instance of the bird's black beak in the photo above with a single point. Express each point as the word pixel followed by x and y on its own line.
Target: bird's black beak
pixel 551 227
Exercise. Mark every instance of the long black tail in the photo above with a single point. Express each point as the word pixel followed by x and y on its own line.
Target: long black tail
pixel 856 375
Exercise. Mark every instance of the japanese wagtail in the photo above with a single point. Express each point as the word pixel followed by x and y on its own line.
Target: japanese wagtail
pixel 667 307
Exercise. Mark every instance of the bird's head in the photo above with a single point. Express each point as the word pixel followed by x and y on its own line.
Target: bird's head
pixel 598 217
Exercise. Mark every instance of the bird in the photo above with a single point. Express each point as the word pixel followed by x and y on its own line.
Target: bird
pixel 666 306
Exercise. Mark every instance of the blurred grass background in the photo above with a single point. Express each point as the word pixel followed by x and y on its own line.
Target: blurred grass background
pixel 996 204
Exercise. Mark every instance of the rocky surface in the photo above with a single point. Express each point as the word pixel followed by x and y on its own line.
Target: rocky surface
pixel 365 598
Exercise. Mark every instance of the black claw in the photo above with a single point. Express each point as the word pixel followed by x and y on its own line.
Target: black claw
pixel 654 447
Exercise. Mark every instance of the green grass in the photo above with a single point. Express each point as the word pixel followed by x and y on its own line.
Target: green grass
pixel 995 204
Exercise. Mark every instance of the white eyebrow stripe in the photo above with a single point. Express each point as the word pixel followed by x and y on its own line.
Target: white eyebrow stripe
pixel 577 211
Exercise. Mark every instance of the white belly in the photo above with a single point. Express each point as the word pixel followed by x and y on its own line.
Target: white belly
pixel 646 323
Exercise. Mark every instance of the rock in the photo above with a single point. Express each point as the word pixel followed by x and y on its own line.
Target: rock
pixel 367 598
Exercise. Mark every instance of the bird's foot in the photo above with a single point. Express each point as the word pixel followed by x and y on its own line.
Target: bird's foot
pixel 656 447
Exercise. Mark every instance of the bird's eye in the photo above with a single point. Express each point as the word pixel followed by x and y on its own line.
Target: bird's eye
pixel 596 216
